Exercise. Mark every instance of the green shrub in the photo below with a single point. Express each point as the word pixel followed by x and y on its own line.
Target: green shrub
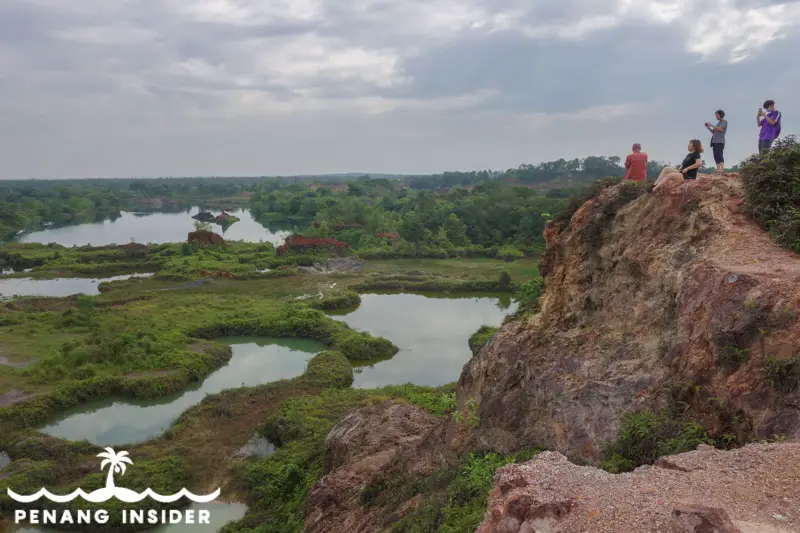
pixel 585 194
pixel 329 369
pixel 783 375
pixel 645 436
pixel 772 191
pixel 479 339
pixel 453 498
pixel 342 300
pixel 509 253
pixel 732 357
pixel 527 296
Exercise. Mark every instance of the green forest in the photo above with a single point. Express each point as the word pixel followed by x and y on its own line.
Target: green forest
pixel 438 211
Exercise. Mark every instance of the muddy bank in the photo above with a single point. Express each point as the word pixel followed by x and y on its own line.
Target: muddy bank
pixel 335 265
pixel 14 396
pixel 15 364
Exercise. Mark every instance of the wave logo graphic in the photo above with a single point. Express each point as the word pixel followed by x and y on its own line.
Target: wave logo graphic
pixel 116 465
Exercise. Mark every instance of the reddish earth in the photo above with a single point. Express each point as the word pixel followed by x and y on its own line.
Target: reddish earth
pixel 205 238
pixel 750 490
pixel 134 246
pixel 384 235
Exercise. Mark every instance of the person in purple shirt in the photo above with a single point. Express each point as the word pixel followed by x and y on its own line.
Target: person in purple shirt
pixel 770 124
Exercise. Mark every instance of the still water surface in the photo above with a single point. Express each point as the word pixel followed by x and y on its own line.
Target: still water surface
pixel 57 286
pixel 156 228
pixel 431 332
pixel 112 422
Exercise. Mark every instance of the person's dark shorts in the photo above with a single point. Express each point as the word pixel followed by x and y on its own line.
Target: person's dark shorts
pixel 718 148
pixel 764 146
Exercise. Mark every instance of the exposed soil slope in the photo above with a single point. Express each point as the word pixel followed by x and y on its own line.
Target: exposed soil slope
pixel 737 488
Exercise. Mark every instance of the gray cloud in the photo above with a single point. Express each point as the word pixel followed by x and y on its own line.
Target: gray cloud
pixel 180 87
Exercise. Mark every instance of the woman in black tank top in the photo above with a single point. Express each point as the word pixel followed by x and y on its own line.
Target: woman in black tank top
pixel 692 162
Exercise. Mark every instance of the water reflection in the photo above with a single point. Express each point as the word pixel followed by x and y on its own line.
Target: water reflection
pixel 157 227
pixel 431 332
pixel 254 362
pixel 58 287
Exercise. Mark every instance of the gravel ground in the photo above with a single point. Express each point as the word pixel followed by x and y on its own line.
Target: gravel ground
pixel 758 486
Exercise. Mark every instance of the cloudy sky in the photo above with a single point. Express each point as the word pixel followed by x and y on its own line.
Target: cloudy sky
pixel 92 88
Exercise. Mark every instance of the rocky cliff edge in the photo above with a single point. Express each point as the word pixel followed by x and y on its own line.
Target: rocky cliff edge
pixel 650 301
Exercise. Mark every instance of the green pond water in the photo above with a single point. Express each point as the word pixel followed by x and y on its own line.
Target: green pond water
pixel 58 287
pixel 112 422
pixel 157 228
pixel 220 514
pixel 431 331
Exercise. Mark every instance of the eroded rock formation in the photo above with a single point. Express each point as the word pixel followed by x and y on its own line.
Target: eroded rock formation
pixel 647 303
pixel 365 445
pixel 205 238
pixel 650 301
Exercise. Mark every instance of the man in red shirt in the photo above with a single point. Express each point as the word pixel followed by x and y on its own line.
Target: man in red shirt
pixel 636 164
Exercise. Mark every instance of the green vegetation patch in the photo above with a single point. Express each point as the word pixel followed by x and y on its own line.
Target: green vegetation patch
pixel 434 283
pixel 644 436
pixel 329 369
pixel 480 338
pixel 783 375
pixel 772 191
pixel 454 497
pixel 279 484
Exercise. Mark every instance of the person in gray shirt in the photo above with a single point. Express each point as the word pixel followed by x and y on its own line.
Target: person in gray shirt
pixel 718 139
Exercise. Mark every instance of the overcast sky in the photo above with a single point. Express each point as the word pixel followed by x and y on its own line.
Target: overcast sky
pixel 95 88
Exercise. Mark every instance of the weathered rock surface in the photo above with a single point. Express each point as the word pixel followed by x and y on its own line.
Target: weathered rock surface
pixel 748 490
pixel 645 304
pixel 362 447
pixel 205 238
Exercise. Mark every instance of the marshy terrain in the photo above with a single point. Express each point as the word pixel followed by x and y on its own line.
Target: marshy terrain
pixel 220 381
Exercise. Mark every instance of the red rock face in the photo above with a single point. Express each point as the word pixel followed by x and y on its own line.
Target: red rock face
pixel 355 456
pixel 205 238
pixel 642 298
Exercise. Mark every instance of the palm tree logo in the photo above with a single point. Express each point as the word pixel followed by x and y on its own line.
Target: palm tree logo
pixel 116 462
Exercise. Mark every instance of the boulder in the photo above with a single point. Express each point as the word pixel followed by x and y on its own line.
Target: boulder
pixel 204 238
pixel 358 450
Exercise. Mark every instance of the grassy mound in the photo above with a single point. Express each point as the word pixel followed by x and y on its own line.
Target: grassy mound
pixel 772 191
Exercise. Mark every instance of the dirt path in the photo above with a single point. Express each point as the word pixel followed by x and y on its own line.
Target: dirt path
pixel 742 247
pixel 14 396
pixel 15 364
